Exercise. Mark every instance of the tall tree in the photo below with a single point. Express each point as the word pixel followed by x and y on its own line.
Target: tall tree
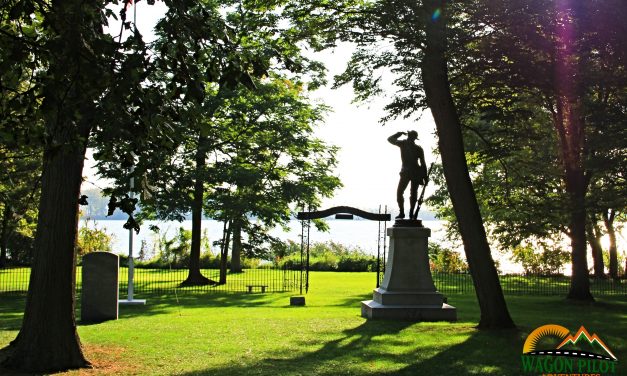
pixel 415 39
pixel 74 79
pixel 494 313
pixel 88 83
pixel 541 63
pixel 608 220
pixel 197 63
pixel 253 41
pixel 269 162
pixel 513 159
pixel 594 235
pixel 606 132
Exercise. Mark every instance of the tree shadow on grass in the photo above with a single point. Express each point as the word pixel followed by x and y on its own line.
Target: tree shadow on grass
pixel 159 304
pixel 12 307
pixel 483 353
pixel 11 311
pixel 379 347
pixel 569 313
pixel 375 347
pixel 350 342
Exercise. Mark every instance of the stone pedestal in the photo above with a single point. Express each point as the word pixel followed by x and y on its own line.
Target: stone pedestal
pixel 297 300
pixel 407 291
pixel 99 300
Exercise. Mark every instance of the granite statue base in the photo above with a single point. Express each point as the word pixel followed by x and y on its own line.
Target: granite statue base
pixel 373 310
pixel 408 223
pixel 407 292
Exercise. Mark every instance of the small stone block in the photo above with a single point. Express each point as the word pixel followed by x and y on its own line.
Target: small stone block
pixel 297 300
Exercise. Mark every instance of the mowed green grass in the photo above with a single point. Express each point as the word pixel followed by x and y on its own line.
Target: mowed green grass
pixel 260 334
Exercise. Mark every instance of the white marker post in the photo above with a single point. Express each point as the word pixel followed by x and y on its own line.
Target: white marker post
pixel 131 267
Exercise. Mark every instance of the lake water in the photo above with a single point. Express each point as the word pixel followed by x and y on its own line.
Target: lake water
pixel 356 233
pixel 359 233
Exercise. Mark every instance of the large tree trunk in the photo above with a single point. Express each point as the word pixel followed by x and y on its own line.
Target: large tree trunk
pixel 4 235
pixel 569 125
pixel 236 252
pixel 194 276
pixel 608 219
pixel 594 239
pixel 48 340
pixel 580 278
pixel 224 251
pixel 494 313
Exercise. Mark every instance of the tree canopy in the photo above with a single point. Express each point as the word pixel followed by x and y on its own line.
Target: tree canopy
pixel 528 98
pixel 507 84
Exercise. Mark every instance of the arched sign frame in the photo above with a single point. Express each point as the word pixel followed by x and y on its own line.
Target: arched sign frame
pixel 340 212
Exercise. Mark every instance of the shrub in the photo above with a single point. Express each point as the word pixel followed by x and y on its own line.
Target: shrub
pixel 548 261
pixel 324 262
pixel 328 256
pixel 357 263
pixel 250 263
pixel 444 260
pixel 93 239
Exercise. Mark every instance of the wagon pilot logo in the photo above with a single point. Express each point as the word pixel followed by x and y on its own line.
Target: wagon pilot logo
pixel 552 350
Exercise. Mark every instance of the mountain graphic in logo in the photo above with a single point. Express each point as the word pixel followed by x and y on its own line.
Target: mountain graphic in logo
pixel 583 335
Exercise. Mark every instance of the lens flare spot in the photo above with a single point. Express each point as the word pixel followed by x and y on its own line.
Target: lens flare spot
pixel 436 14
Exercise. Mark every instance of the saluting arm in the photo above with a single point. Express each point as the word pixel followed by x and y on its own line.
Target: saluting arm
pixel 393 139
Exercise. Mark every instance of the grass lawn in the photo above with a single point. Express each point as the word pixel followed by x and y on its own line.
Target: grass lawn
pixel 260 334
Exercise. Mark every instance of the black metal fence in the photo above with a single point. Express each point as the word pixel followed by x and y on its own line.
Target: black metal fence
pixel 517 284
pixel 520 284
pixel 284 280
pixel 15 280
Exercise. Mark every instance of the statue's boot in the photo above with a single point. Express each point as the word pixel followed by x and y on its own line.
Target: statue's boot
pixel 401 212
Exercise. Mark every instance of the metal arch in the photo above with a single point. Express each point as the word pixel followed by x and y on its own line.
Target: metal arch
pixel 306 216
pixel 342 210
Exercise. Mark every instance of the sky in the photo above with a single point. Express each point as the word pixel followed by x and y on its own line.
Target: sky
pixel 368 165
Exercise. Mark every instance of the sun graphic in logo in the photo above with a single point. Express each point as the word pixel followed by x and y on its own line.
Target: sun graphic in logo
pixel 549 330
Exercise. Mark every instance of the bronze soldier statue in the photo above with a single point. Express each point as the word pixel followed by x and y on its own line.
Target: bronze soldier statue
pixel 414 170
